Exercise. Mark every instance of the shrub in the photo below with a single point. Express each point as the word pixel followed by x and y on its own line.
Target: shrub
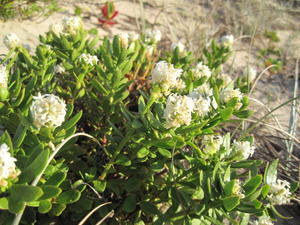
pixel 116 122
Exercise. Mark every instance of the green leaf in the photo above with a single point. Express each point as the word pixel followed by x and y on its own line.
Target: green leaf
pixel 231 202
pixel 129 204
pixel 143 152
pixel 228 188
pixel 68 197
pixel 164 152
pixel 123 160
pixel 3 203
pixel 252 184
pixel 70 123
pixel 294 186
pixel 99 185
pixel 45 206
pixel 57 209
pixel 265 190
pixel 149 208
pixel 26 193
pixel 19 136
pixel 36 167
pixel 244 114
pixel 56 179
pixel 50 191
pixel 271 172
pixel 278 214
pixel 15 206
pixel 226 113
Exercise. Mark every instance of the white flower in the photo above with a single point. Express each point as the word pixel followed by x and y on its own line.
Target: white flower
pixel 178 111
pixel 250 74
pixel 226 79
pixel 3 76
pixel 244 148
pixel 201 104
pixel 7 165
pixel 59 69
pixel 88 59
pixel 204 90
pixel 48 110
pixel 149 50
pixel 178 45
pixel 72 24
pixel 56 28
pixel 227 40
pixel 263 220
pixel 279 193
pixel 237 190
pixel 201 70
pixel 152 35
pixel 11 40
pixel 124 39
pixel 228 93
pixel 134 36
pixel 211 144
pixel 166 75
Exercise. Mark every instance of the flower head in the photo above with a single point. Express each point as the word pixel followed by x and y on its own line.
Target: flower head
pixel 229 93
pixel 59 69
pixel 204 90
pixel 243 148
pixel 227 40
pixel 124 39
pixel 48 110
pixel 3 76
pixel 237 190
pixel 88 59
pixel 7 165
pixel 226 79
pixel 279 193
pixel 166 75
pixel 201 103
pixel 250 74
pixel 201 70
pixel 178 111
pixel 212 143
pixel 11 40
pixel 72 24
pixel 263 220
pixel 56 28
pixel 152 36
pixel 134 36
pixel 178 45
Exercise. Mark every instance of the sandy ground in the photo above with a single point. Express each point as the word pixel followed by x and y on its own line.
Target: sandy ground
pixel 182 20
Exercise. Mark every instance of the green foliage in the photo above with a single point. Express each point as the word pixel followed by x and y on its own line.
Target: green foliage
pixel 152 174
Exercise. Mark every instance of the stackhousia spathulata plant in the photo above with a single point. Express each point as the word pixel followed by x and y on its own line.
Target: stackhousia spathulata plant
pixel 154 151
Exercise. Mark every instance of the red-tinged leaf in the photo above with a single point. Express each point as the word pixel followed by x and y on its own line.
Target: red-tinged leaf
pixel 114 15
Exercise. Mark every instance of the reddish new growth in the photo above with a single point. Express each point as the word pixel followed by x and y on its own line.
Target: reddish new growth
pixel 108 14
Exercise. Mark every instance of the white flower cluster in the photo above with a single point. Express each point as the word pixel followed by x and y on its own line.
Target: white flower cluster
pixel 166 76
pixel 263 220
pixel 226 79
pixel 11 40
pixel 48 110
pixel 72 24
pixel 249 74
pixel 152 36
pixel 88 59
pixel 127 38
pixel 244 148
pixel 227 40
pixel 3 76
pixel 229 93
pixel 211 144
pixel 279 193
pixel 178 45
pixel 201 70
pixel 59 69
pixel 56 28
pixel 237 189
pixel 7 165
pixel 178 111
pixel 201 102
